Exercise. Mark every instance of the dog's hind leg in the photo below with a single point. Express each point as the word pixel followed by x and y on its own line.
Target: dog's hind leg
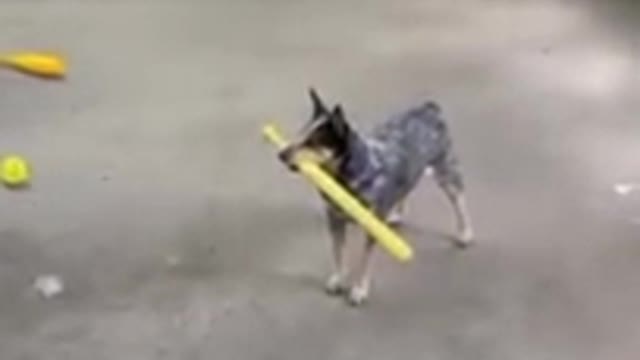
pixel 335 284
pixel 450 181
pixel 458 201
pixel 359 292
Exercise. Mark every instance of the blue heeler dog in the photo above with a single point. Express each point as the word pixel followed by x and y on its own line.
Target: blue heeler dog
pixel 380 170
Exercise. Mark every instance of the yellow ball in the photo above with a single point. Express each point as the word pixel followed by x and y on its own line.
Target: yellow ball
pixel 14 171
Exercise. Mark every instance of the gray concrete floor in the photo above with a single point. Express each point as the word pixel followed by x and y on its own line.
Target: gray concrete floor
pixel 151 152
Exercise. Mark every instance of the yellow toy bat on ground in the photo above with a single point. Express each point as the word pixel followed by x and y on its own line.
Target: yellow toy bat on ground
pixel 33 63
pixel 377 229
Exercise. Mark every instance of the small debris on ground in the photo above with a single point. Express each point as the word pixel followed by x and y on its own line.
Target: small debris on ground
pixel 173 260
pixel 49 286
pixel 624 189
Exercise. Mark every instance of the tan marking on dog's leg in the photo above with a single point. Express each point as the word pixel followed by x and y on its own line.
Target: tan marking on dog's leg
pixel 396 214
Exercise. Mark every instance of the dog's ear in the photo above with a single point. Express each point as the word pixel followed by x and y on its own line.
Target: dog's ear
pixel 318 107
pixel 339 122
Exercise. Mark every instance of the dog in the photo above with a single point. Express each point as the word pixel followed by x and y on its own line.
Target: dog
pixel 380 170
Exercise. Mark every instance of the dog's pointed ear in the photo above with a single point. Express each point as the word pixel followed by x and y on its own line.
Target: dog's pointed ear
pixel 339 122
pixel 318 107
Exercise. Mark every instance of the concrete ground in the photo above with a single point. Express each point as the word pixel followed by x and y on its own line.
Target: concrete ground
pixel 180 237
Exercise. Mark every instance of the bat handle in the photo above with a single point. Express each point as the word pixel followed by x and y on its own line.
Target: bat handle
pixel 272 134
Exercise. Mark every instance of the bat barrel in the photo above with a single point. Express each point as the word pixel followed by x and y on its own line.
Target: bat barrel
pixel 38 64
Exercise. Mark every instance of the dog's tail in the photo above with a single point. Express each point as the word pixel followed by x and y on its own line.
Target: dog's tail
pixel 427 110
pixel 431 112
pixel 430 105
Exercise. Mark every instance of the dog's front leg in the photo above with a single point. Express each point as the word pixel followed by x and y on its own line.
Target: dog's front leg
pixel 359 293
pixel 336 284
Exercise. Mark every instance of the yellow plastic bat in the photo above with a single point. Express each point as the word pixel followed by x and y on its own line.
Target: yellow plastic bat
pixel 34 63
pixel 377 229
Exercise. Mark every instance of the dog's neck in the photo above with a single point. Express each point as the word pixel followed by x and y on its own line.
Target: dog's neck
pixel 358 165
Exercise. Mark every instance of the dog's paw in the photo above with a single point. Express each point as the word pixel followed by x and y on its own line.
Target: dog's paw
pixel 335 285
pixel 464 239
pixel 358 295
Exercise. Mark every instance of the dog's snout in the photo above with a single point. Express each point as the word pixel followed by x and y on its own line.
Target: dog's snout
pixel 286 156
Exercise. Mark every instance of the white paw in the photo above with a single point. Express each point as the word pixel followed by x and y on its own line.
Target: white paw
pixel 335 285
pixel 358 295
pixel 465 238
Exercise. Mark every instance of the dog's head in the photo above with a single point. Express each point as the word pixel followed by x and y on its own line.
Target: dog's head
pixel 326 134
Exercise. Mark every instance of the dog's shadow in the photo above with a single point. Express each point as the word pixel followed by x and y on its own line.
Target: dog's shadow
pixel 220 242
pixel 424 237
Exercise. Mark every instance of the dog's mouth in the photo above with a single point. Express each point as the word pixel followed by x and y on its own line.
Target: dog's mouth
pixel 292 156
